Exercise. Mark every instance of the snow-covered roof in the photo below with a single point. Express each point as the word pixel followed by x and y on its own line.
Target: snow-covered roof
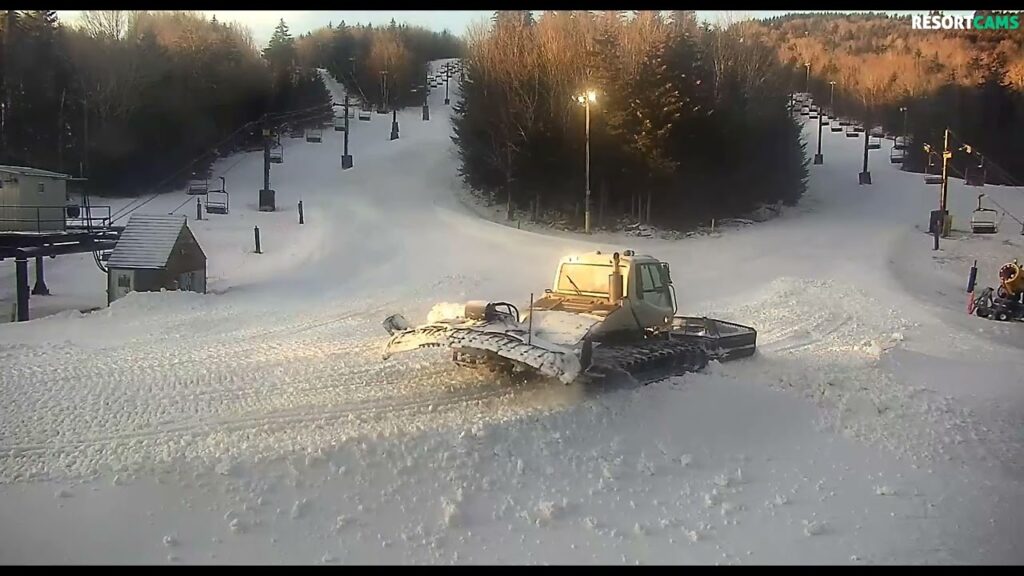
pixel 147 241
pixel 26 171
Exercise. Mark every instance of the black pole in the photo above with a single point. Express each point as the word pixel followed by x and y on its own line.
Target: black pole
pixel 447 75
pixel 266 161
pixel 302 219
pixel 199 209
pixel 256 231
pixel 865 176
pixel 21 278
pixel 40 287
pixel 426 102
pixel 267 203
pixel 346 158
pixel 394 124
pixel 818 158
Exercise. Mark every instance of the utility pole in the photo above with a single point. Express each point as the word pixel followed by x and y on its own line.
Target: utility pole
pixel 586 98
pixel 807 83
pixel 832 99
pixel 346 158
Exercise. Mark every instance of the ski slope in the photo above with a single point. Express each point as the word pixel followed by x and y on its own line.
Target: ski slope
pixel 258 424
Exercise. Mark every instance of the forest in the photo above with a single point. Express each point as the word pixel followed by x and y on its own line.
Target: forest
pixel 970 81
pixel 688 121
pixel 139 101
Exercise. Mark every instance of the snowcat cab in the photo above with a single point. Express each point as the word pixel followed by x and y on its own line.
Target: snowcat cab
pixel 604 314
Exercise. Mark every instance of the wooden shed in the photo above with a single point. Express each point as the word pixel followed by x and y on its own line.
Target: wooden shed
pixel 32 200
pixel 155 251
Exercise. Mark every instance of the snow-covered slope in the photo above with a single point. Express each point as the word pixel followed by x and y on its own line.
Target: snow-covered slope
pixel 879 423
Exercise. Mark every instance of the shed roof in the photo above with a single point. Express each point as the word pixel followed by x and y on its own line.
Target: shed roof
pixel 26 171
pixel 147 241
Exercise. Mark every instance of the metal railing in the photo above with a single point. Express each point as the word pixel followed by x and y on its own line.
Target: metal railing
pixel 25 218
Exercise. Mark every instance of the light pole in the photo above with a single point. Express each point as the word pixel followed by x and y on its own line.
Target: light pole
pixel 585 99
pixel 807 83
pixel 818 158
pixel 832 98
pixel 447 75
pixel 426 104
pixel 904 110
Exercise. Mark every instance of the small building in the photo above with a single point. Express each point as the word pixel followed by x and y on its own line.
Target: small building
pixel 154 252
pixel 32 200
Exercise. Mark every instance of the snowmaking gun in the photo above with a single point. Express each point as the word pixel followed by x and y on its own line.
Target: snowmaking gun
pixel 1006 301
pixel 606 314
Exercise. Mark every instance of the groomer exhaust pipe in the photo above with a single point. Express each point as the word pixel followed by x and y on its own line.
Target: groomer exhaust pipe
pixel 615 281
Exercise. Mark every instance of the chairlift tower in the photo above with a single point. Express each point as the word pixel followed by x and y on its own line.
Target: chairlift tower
pixel 267 203
pixel 346 158
pixel 818 158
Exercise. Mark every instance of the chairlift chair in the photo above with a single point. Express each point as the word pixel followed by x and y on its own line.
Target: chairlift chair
pixel 813 115
pixel 851 131
pixel 983 220
pixel 339 123
pixel 217 202
pixel 931 178
pixel 315 135
pixel 844 123
pixel 874 141
pixel 825 121
pixel 859 129
pixel 899 143
pixel 198 187
pixel 896 155
pixel 836 127
pixel 975 175
pixel 805 111
pixel 277 154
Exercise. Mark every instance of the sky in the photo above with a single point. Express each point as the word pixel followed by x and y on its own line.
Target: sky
pixel 262 22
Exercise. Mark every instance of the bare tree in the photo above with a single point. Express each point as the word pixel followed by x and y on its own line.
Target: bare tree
pixel 111 24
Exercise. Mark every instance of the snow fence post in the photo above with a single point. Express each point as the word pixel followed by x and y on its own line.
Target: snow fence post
pixel 256 231
pixel 301 218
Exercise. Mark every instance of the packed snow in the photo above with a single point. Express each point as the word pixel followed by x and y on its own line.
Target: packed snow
pixel 878 423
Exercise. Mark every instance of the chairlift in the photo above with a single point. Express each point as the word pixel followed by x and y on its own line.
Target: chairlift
pixel 836 127
pixel 217 200
pixel 858 128
pixel 825 120
pixel 813 115
pixel 983 220
pixel 198 187
pixel 896 155
pixel 874 141
pixel 851 131
pixel 339 123
pixel 931 178
pixel 899 143
pixel 844 123
pixel 975 175
pixel 277 154
pixel 315 135
pixel 805 111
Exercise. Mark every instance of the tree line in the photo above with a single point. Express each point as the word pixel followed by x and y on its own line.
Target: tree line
pixel 971 81
pixel 129 98
pixel 688 122
pixel 381 62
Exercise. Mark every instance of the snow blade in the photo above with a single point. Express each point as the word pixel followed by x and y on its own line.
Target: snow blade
pixel 546 358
